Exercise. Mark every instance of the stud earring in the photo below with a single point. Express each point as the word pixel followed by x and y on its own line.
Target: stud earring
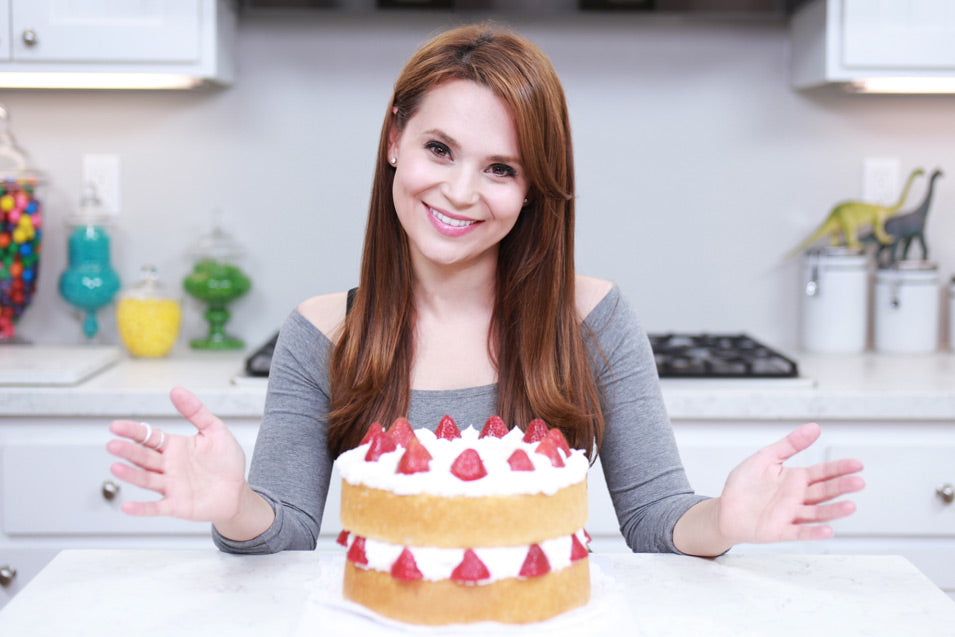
pixel 393 160
pixel 525 201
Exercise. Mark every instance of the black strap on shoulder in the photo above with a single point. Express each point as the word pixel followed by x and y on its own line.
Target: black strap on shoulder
pixel 350 300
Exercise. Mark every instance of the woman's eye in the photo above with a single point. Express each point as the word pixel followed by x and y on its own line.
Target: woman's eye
pixel 502 170
pixel 439 149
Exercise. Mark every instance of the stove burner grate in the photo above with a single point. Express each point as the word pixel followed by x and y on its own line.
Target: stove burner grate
pixel 718 356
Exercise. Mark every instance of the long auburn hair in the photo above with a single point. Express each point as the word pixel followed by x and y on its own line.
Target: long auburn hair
pixel 536 340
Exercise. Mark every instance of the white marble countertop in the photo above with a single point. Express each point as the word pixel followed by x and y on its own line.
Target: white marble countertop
pixel 836 387
pixel 203 592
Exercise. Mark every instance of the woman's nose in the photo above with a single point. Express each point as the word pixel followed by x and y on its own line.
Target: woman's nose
pixel 461 187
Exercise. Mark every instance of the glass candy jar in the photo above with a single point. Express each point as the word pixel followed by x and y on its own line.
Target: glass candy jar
pixel 89 282
pixel 20 230
pixel 217 281
pixel 148 317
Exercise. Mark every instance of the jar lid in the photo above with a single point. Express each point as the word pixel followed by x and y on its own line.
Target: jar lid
pixel 15 163
pixel 836 251
pixel 90 212
pixel 912 265
pixel 217 245
pixel 148 286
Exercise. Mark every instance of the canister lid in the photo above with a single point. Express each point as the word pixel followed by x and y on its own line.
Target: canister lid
pixel 836 251
pixel 913 265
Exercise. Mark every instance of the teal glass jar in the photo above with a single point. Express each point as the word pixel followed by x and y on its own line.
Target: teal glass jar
pixel 89 283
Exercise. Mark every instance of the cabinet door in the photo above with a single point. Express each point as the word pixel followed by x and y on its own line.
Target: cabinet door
pixel 4 30
pixel 893 34
pixel 58 489
pixel 900 497
pixel 105 31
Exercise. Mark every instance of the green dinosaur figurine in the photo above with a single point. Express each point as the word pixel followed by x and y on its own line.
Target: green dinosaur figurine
pixel 848 217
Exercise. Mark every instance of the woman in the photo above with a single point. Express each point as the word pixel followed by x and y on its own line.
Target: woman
pixel 468 303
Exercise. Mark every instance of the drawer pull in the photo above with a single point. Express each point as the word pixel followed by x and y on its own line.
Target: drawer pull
pixel 110 490
pixel 946 492
pixel 7 573
pixel 30 37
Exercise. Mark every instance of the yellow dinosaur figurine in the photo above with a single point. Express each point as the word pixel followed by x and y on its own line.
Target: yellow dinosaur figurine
pixel 848 217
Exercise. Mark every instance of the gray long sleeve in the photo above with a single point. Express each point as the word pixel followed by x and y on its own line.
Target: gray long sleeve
pixel 291 464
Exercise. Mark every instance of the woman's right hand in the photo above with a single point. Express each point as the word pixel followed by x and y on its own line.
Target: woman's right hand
pixel 200 477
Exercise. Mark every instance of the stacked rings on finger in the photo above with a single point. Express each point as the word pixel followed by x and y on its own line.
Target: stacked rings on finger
pixel 149 432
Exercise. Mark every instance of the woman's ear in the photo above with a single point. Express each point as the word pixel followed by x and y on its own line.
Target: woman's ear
pixel 393 134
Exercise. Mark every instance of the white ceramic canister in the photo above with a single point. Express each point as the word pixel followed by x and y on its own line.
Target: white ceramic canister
pixel 907 308
pixel 835 294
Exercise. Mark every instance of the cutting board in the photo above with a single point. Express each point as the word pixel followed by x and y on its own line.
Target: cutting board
pixel 54 365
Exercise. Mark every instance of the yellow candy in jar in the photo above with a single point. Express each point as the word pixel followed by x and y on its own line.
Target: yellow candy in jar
pixel 148 327
pixel 147 318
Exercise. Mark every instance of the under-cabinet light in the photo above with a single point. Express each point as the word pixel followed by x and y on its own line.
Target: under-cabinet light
pixel 903 84
pixel 99 80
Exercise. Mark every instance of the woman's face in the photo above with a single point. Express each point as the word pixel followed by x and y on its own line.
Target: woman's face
pixel 459 184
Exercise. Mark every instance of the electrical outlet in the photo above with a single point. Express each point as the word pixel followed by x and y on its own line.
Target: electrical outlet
pixel 880 180
pixel 102 171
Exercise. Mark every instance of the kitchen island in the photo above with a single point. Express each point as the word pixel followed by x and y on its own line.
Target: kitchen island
pixel 896 413
pixel 137 592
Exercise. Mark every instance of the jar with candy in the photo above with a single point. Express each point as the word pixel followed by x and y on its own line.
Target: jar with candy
pixel 147 316
pixel 89 282
pixel 217 280
pixel 21 224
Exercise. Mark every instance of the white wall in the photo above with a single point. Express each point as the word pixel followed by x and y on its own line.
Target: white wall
pixel 698 166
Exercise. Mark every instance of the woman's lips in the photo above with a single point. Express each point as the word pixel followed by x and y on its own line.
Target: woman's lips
pixel 449 225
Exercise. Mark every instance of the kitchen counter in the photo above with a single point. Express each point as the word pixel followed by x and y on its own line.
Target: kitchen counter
pixel 203 592
pixel 862 387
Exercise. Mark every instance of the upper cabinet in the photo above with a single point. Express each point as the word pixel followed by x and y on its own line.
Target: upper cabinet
pixel 875 45
pixel 109 44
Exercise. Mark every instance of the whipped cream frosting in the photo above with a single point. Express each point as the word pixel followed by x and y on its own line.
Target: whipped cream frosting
pixel 500 479
pixel 436 564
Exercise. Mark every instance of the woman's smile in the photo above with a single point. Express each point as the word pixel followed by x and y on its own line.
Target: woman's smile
pixel 448 224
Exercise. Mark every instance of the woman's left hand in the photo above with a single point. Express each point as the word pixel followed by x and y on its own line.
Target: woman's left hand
pixel 763 501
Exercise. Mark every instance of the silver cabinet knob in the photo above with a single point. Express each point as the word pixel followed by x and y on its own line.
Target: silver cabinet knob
pixel 7 573
pixel 110 490
pixel 30 37
pixel 946 492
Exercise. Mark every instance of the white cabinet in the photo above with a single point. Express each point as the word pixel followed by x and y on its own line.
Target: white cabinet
pixel 57 492
pixel 45 42
pixel 862 42
pixel 902 510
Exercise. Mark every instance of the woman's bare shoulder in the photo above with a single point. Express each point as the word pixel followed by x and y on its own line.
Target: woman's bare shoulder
pixel 589 292
pixel 326 312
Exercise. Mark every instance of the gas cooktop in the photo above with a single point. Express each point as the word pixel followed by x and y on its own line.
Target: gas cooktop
pixel 718 356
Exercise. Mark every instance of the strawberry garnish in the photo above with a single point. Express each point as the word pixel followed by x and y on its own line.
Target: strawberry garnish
pixel 415 459
pixel 381 443
pixel 375 428
pixel 343 538
pixel 468 466
pixel 547 447
pixel 535 564
pixel 401 431
pixel 577 550
pixel 356 553
pixel 536 430
pixel 559 440
pixel 494 427
pixel 519 461
pixel 447 429
pixel 404 568
pixel 586 535
pixel 470 570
